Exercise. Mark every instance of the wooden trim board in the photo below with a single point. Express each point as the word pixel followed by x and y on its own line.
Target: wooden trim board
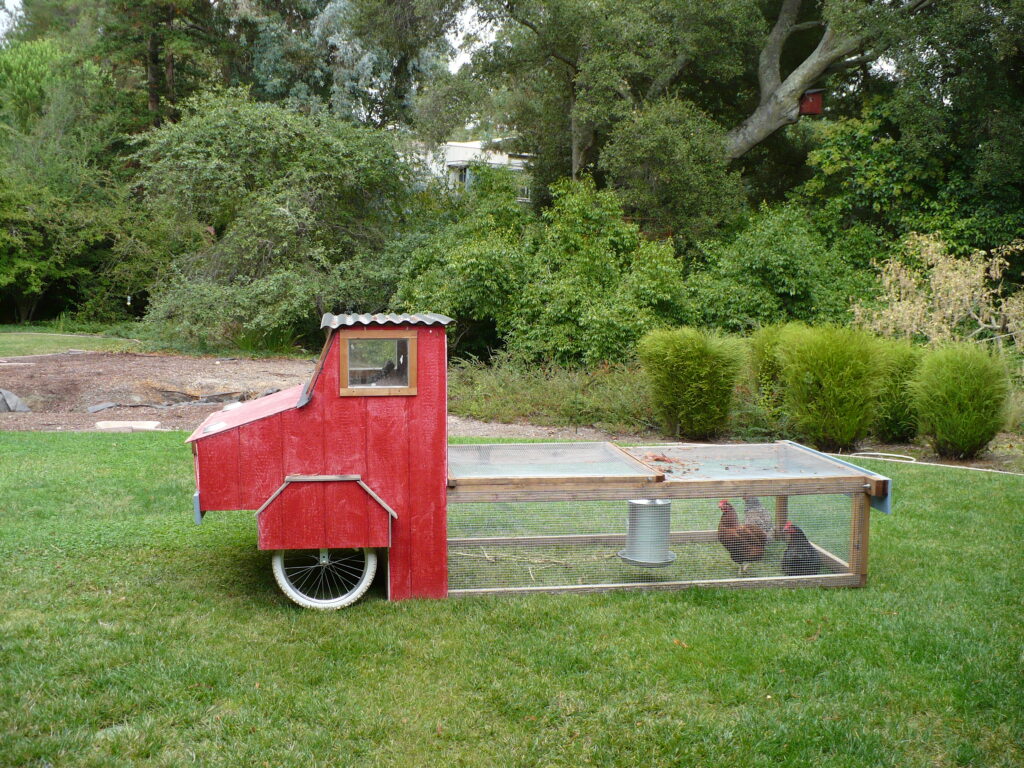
pixel 830 580
pixel 582 489
pixel 612 539
pixel 409 336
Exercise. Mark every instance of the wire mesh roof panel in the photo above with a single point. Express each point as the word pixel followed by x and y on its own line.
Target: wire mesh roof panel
pixel 543 460
pixel 681 461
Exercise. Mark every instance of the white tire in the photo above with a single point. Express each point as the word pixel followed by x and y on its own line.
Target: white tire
pixel 324 579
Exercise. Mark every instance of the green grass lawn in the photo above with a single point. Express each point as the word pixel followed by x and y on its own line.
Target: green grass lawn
pixel 13 343
pixel 132 637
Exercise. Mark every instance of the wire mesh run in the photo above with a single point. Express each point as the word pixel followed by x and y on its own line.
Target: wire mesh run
pixel 648 543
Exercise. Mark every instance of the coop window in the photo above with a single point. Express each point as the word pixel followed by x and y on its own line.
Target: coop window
pixel 378 363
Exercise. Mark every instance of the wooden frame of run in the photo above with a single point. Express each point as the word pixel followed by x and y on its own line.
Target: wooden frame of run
pixel 343 354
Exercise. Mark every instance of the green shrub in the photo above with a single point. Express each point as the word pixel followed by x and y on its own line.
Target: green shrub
pixel 830 384
pixel 760 413
pixel 765 342
pixel 960 394
pixel 692 375
pixel 778 268
pixel 895 421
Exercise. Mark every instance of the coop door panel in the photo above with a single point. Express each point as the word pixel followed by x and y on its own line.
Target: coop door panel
pixel 313 515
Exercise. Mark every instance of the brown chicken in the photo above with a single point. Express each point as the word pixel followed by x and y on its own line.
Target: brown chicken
pixel 745 543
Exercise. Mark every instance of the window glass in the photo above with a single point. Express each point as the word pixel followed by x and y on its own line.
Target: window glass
pixel 378 363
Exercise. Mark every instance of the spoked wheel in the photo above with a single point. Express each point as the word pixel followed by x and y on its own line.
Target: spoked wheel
pixel 325 579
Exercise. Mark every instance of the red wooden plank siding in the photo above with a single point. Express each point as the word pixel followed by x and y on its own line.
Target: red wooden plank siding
pixel 303 448
pixel 294 520
pixel 428 445
pixel 387 473
pixel 218 457
pixel 353 519
pixel 260 467
pixel 346 512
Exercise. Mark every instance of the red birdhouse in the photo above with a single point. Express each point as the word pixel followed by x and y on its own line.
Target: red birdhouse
pixel 352 461
pixel 812 102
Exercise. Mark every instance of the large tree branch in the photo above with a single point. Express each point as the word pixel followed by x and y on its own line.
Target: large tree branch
pixel 511 11
pixel 780 105
pixel 856 61
pixel 769 75
pixel 779 102
pixel 667 75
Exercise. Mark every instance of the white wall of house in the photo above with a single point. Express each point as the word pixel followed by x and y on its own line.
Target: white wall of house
pixel 452 161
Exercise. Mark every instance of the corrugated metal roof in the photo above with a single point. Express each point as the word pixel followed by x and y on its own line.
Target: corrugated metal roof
pixel 422 318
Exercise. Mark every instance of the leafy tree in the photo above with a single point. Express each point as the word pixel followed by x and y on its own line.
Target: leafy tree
pixel 297 208
pixel 381 53
pixel 165 49
pixel 26 69
pixel 472 266
pixel 867 171
pixel 668 165
pixel 595 286
pixel 779 268
pixel 577 286
pixel 61 211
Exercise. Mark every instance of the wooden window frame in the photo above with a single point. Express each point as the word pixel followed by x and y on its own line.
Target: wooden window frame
pixel 347 391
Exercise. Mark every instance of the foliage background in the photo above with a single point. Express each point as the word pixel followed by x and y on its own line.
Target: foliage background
pixel 229 170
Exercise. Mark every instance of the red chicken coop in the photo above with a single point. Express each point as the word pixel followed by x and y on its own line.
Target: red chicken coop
pixel 356 464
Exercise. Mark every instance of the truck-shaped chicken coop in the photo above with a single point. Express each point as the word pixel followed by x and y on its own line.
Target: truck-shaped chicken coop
pixel 356 464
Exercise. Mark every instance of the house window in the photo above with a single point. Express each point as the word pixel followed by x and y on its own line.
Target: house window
pixel 523 193
pixel 378 363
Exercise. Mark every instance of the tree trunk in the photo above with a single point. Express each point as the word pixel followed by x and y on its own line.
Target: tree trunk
pixel 153 77
pixel 25 306
pixel 171 94
pixel 581 137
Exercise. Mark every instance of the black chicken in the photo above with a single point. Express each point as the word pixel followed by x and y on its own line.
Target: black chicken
pixel 800 557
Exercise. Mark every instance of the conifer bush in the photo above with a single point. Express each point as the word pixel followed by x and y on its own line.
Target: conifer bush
pixel 895 420
pixel 960 394
pixel 831 382
pixel 692 374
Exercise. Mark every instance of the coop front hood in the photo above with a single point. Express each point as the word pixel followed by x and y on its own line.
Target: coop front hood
pixel 237 414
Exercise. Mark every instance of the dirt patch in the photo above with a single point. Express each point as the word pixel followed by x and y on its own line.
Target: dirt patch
pixel 60 388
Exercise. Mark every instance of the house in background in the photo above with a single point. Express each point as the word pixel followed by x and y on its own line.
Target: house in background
pixel 453 161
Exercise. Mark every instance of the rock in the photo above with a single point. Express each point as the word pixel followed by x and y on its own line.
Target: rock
pixel 221 397
pixel 268 391
pixel 174 396
pixel 127 426
pixel 100 407
pixel 10 402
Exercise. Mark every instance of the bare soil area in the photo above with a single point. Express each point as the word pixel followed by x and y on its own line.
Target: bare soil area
pixel 170 389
